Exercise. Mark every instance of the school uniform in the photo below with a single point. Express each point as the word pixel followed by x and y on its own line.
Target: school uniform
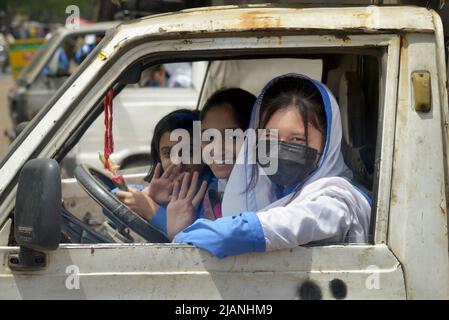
pixel 326 209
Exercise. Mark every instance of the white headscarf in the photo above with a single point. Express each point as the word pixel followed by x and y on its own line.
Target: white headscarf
pixel 238 199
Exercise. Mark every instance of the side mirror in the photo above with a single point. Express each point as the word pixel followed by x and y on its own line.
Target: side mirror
pixel 37 214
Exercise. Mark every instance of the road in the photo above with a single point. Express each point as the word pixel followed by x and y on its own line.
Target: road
pixel 6 83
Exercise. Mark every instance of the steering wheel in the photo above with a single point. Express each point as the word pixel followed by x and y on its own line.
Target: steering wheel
pixel 98 186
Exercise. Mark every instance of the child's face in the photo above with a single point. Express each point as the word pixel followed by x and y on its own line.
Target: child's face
pixel 290 126
pixel 165 146
pixel 220 117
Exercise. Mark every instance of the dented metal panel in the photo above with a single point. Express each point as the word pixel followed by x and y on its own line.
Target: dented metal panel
pixel 228 20
pixel 184 272
pixel 417 230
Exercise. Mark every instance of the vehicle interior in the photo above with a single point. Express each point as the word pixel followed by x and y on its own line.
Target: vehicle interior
pixel 354 78
pixel 92 214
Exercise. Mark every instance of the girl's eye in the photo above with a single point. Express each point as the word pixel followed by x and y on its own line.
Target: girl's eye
pixel 166 154
pixel 298 140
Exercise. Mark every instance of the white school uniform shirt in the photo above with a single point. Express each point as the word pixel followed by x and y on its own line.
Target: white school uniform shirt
pixel 327 208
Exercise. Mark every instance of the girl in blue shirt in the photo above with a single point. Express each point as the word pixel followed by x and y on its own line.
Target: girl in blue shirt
pixel 226 109
pixel 150 202
pixel 307 198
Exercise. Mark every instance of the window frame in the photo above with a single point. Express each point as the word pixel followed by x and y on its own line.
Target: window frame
pixel 157 50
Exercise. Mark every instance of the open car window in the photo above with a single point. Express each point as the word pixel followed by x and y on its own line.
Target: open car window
pixel 138 108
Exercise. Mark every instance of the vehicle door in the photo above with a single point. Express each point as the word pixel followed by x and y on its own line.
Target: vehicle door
pixel 176 271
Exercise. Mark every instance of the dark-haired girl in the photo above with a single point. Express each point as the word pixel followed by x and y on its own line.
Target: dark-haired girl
pixel 150 202
pixel 226 109
pixel 310 198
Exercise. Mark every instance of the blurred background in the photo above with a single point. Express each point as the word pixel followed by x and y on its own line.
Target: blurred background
pixel 25 25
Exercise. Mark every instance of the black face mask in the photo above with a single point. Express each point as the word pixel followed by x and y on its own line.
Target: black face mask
pixel 295 162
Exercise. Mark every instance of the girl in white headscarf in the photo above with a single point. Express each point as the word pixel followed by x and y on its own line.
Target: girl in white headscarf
pixel 308 199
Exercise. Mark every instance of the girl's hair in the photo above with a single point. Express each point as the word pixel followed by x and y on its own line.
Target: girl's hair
pixel 298 94
pixel 240 101
pixel 178 119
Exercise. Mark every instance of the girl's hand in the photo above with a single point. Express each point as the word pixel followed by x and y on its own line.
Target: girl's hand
pixel 138 202
pixel 183 204
pixel 161 187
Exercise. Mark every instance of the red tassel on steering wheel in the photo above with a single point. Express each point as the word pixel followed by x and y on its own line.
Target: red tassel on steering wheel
pixel 108 138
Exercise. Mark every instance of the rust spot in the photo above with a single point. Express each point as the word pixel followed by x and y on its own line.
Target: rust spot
pixel 394 197
pixel 259 20
pixel 363 15
pixel 343 37
pixel 404 41
pixel 327 38
pixel 92 251
pixel 102 56
pixel 280 40
pixel 442 211
pixel 162 30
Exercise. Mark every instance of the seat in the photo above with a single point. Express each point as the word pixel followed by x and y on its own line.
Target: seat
pixel 357 151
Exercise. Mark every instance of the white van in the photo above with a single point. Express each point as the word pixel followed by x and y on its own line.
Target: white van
pixel 387 68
